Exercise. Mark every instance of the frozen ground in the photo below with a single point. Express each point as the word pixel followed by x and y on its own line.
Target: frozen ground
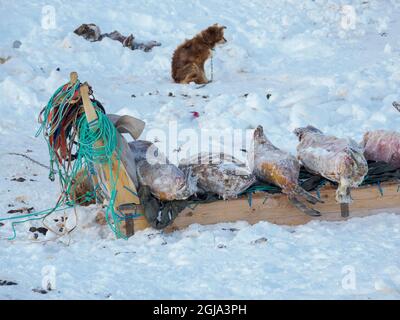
pixel 340 77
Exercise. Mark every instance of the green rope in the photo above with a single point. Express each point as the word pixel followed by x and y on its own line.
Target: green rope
pixel 262 188
pixel 268 188
pixel 97 143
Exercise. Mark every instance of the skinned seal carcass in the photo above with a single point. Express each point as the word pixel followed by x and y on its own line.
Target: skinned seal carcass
pixel 337 159
pixel 273 165
pixel 382 145
pixel 165 180
pixel 218 173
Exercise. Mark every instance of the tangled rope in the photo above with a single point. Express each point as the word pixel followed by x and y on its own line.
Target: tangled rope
pixel 75 145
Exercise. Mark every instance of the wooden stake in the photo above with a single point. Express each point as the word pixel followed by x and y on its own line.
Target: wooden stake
pixel 73 77
pixel 344 210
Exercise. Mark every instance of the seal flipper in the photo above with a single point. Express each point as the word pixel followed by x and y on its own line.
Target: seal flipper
pixel 303 208
pixel 308 196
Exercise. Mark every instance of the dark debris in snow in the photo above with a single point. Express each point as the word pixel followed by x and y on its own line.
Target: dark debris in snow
pixel 7 283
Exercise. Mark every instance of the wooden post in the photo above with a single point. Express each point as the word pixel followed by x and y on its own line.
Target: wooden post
pixel 126 200
pixel 73 78
pixel 344 210
pixel 344 207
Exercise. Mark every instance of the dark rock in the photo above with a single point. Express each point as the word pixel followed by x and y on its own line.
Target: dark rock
pixel 230 229
pixel 260 240
pixel 42 230
pixel 42 291
pixel 21 210
pixel 17 44
pixel 7 283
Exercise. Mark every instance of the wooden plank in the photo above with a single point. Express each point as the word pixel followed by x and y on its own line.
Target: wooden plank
pixel 126 192
pixel 278 210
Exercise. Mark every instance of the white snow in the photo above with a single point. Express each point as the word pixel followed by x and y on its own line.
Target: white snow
pixel 331 64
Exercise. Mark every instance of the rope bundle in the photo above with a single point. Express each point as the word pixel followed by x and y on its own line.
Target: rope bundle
pixel 75 145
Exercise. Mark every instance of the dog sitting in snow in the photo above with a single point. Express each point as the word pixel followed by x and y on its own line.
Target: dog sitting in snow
pixel 189 58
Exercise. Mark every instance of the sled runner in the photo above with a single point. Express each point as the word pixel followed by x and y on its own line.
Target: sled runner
pixel 277 209
pixel 379 193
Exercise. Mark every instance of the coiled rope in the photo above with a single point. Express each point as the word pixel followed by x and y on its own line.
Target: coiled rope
pixel 66 130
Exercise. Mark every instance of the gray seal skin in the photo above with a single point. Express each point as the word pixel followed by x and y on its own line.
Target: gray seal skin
pixel 219 173
pixel 273 165
pixel 165 180
pixel 337 159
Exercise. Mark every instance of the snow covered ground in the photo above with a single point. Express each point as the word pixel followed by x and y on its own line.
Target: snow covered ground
pixel 331 64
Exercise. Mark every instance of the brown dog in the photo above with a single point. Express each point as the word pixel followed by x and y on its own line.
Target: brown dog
pixel 189 58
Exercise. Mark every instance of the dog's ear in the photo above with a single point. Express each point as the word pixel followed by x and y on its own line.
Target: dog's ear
pixel 210 34
pixel 219 26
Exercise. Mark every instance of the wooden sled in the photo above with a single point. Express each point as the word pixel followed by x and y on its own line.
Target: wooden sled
pixel 275 208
